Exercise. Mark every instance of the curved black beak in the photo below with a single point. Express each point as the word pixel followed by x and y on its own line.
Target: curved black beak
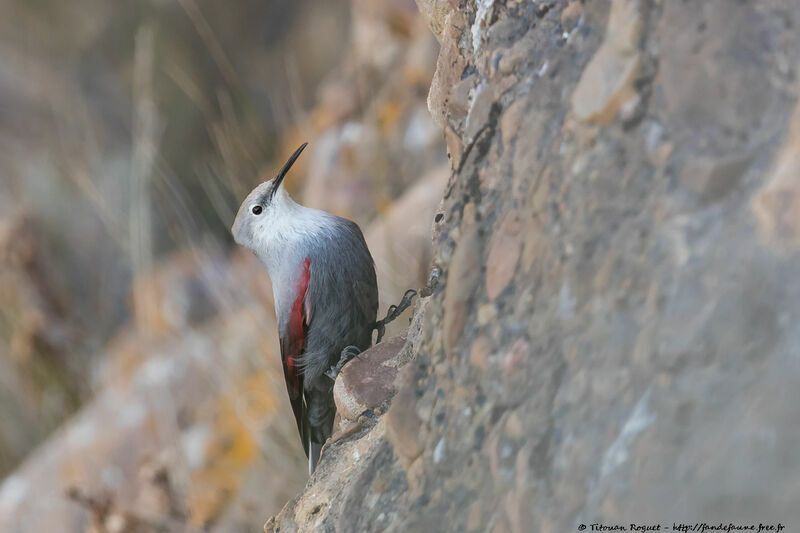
pixel 285 168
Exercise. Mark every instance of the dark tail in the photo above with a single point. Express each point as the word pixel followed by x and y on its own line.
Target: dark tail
pixel 320 410
pixel 314 449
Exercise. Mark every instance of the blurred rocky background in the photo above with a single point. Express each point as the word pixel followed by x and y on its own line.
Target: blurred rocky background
pixel 140 385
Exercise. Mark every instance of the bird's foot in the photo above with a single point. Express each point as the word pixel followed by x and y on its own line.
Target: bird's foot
pixel 348 354
pixel 394 312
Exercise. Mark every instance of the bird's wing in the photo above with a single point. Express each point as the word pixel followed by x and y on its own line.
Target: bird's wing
pixel 292 344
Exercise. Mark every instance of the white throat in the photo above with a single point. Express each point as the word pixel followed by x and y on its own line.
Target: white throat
pixel 287 232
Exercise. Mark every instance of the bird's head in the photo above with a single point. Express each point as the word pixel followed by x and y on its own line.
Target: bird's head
pixel 263 209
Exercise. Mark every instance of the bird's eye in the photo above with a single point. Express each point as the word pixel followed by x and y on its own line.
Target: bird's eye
pixel 257 209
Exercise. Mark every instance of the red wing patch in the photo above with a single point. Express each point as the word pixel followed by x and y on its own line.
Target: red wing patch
pixel 292 348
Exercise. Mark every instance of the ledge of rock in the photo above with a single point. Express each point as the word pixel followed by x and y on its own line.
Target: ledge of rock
pixel 367 381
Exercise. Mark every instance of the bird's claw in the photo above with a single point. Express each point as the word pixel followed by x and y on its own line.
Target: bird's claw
pixel 393 312
pixel 348 354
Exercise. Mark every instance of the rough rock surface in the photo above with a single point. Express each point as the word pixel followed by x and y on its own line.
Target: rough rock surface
pixel 613 334
pixel 368 380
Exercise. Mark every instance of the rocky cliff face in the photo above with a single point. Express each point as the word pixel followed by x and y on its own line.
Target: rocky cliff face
pixel 613 336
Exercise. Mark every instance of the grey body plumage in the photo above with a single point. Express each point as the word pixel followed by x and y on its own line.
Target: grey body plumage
pixel 325 257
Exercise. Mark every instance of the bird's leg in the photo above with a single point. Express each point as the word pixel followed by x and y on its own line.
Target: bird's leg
pixel 347 355
pixel 394 312
pixel 352 351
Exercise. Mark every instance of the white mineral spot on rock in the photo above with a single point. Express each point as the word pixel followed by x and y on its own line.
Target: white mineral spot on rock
pixel 580 164
pixel 12 492
pixel 155 371
pixel 483 9
pixel 194 444
pixel 351 132
pixel 83 433
pixel 655 133
pixel 115 522
pixel 473 96
pixel 371 500
pixel 617 453
pixel 676 234
pixel 566 302
pixel 543 69
pixel 438 452
pixel 356 456
pixel 468 412
pixel 131 415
